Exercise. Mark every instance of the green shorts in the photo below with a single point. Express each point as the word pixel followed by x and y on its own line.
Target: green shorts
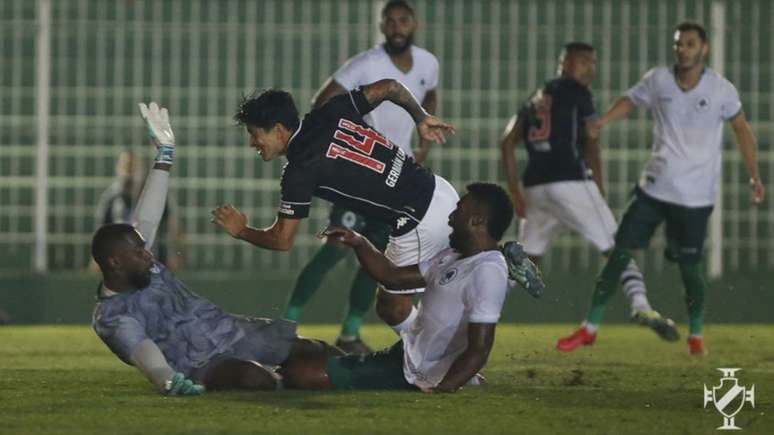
pixel 686 227
pixel 381 370
pixel 376 231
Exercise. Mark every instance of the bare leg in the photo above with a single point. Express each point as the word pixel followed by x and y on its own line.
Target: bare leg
pixel 393 308
pixel 240 374
pixel 305 367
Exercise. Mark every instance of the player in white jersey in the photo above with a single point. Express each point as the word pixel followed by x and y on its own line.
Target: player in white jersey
pixel 465 287
pixel 689 103
pixel 397 58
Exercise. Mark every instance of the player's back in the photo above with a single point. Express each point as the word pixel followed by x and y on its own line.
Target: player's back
pixel 555 118
pixel 335 155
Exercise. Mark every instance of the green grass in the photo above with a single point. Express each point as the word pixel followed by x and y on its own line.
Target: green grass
pixel 64 380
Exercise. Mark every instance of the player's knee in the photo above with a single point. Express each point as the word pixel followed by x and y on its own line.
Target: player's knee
pixel 392 308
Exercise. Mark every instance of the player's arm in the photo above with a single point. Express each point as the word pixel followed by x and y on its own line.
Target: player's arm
pixel 429 127
pixel 480 342
pixel 147 357
pixel 375 263
pixel 592 156
pixel 511 138
pixel 150 206
pixel 430 104
pixel 329 89
pixel 618 110
pixel 745 140
pixel 278 237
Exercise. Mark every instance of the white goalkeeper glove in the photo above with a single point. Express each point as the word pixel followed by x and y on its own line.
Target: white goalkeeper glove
pixel 160 132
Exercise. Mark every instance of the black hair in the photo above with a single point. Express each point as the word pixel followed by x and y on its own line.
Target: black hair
pixel 267 109
pixel 692 26
pixel 392 4
pixel 573 48
pixel 498 204
pixel 106 238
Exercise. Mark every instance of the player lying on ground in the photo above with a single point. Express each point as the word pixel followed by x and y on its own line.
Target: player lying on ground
pixel 465 287
pixel 563 176
pixel 180 341
pixel 679 185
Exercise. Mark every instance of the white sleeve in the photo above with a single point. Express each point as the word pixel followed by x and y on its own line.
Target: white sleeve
pixel 432 82
pixel 147 357
pixel 642 94
pixel 353 73
pixel 150 206
pixel 485 296
pixel 731 104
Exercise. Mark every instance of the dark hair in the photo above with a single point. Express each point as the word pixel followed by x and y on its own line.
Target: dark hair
pixel 498 204
pixel 692 26
pixel 393 4
pixel 105 240
pixel 572 48
pixel 271 107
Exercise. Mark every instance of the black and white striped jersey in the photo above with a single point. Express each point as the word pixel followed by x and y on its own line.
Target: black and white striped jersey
pixel 335 155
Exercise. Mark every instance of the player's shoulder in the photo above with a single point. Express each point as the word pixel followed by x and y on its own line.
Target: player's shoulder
pixel 423 56
pixel 371 55
pixel 659 74
pixel 718 80
pixel 493 258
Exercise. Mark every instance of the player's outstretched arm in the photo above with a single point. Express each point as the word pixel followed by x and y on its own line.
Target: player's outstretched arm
pixel 150 206
pixel 430 104
pixel 618 110
pixel 375 263
pixel 147 357
pixel 511 138
pixel 278 237
pixel 745 140
pixel 480 341
pixel 429 127
pixel 329 89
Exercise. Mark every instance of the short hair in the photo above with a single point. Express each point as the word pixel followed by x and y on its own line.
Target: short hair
pixel 266 109
pixel 498 204
pixel 573 48
pixel 393 4
pixel 106 238
pixel 692 26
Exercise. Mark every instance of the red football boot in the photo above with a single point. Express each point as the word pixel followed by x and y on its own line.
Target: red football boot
pixel 580 337
pixel 696 346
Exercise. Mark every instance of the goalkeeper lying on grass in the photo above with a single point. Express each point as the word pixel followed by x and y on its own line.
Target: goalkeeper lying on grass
pixel 180 341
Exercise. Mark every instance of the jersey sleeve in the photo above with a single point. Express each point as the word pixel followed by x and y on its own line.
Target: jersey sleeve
pixel 121 334
pixel 731 104
pixel 485 296
pixel 432 81
pixel 642 94
pixel 353 73
pixel 297 186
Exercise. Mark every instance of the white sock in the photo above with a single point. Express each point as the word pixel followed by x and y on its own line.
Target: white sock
pixel 590 327
pixel 633 286
pixel 407 322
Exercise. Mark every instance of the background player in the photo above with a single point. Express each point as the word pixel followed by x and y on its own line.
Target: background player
pixel 397 58
pixel 679 184
pixel 563 176
pixel 177 339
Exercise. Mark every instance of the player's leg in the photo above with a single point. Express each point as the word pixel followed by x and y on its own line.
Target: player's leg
pixel 325 259
pixel 640 220
pixel 381 370
pixel 422 243
pixel 686 230
pixel 362 293
pixel 233 373
pixel 304 367
pixel 540 227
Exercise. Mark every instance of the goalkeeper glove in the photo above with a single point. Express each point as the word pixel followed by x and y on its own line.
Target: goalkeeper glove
pixel 160 132
pixel 180 386
pixel 522 270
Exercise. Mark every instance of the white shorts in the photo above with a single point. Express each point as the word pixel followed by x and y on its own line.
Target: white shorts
pixel 573 205
pixel 430 237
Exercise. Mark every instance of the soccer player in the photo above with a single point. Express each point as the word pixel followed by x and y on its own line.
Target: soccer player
pixel 689 103
pixel 563 176
pixel 397 58
pixel 180 341
pixel 465 286
pixel 335 155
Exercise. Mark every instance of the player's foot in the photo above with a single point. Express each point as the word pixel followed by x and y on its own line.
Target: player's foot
pixel 581 336
pixel 522 270
pixel 354 346
pixel 663 326
pixel 696 346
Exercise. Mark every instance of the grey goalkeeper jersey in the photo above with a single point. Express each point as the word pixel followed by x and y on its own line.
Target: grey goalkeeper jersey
pixel 188 329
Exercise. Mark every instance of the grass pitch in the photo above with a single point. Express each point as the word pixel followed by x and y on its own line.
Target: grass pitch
pixel 62 379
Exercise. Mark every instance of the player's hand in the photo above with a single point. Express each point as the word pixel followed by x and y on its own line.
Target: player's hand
pixel 180 386
pixel 342 235
pixel 759 192
pixel 594 129
pixel 432 129
pixel 157 123
pixel 230 219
